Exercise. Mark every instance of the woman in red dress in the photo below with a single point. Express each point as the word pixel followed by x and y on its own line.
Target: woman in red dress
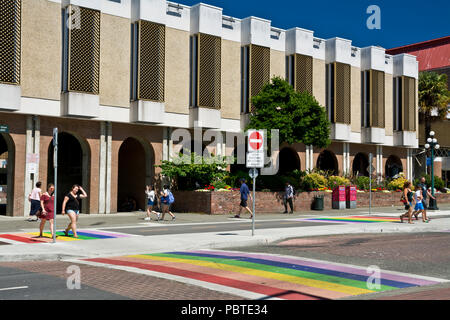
pixel 47 205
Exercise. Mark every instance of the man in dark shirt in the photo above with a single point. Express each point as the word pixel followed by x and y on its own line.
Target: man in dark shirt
pixel 245 192
pixel 425 194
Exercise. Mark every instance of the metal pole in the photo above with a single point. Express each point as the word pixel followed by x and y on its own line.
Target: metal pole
pixel 370 183
pixel 254 200
pixel 432 171
pixel 55 165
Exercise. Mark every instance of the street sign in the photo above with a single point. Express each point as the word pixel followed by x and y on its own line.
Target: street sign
pixel 4 128
pixel 255 140
pixel 253 173
pixel 55 136
pixel 255 160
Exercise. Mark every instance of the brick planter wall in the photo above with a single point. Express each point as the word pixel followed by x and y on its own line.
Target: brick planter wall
pixel 271 202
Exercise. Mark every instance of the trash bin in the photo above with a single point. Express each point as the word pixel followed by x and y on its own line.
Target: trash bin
pixel 318 202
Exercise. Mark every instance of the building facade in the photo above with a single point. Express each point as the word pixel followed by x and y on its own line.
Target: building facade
pixel 433 55
pixel 118 77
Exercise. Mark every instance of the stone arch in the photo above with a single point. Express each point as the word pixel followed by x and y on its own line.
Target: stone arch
pixel 7 160
pixel 393 166
pixel 74 167
pixel 327 161
pixel 288 160
pixel 360 164
pixel 135 171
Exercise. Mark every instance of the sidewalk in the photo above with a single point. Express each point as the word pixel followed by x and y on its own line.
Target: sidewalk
pixel 133 244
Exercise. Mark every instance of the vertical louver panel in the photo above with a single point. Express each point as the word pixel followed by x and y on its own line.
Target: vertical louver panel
pixel 377 98
pixel 303 73
pixel 152 38
pixel 259 69
pixel 10 24
pixel 409 104
pixel 342 93
pixel 84 52
pixel 209 71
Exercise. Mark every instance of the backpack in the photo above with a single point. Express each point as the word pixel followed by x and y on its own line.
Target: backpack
pixel 293 191
pixel 170 196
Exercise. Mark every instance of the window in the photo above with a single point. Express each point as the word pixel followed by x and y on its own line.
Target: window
pixel 193 70
pixel 373 108
pixel 117 1
pixel 338 85
pixel 329 76
pixel 290 70
pixel 10 25
pixel 244 79
pixel 398 104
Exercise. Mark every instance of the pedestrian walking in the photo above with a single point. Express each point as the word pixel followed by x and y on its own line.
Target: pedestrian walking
pixel 425 194
pixel 288 197
pixel 71 205
pixel 151 200
pixel 47 209
pixel 408 196
pixel 419 208
pixel 35 199
pixel 167 199
pixel 245 193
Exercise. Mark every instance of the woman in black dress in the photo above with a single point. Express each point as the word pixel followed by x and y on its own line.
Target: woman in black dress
pixel 71 205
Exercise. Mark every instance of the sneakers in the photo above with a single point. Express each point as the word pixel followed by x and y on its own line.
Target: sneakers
pixel 147 219
pixel 173 218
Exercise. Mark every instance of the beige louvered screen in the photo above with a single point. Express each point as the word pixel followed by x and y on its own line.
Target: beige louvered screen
pixel 152 38
pixel 377 99
pixel 342 93
pixel 10 25
pixel 259 69
pixel 209 71
pixel 409 104
pixel 84 52
pixel 303 73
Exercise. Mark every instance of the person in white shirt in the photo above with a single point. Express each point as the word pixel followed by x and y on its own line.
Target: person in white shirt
pixel 151 199
pixel 35 198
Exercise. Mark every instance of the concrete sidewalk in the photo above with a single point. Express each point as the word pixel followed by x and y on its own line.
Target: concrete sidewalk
pixel 134 244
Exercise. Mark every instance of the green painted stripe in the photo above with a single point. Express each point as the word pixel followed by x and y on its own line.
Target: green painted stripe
pixel 79 236
pixel 280 270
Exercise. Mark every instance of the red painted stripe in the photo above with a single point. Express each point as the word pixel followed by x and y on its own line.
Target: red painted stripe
pixel 20 239
pixel 266 290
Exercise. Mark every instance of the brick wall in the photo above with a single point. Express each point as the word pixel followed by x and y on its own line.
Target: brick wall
pixel 271 202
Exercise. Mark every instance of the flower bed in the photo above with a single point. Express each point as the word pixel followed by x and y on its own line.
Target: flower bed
pixel 272 202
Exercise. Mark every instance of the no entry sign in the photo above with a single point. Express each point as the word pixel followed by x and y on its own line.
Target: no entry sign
pixel 255 141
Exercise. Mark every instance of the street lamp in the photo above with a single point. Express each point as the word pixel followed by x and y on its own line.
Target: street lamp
pixel 432 144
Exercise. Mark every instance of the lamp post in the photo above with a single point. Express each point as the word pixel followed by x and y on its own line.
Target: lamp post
pixel 432 145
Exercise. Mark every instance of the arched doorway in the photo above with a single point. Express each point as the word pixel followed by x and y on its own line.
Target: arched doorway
pixel 73 167
pixel 288 161
pixel 393 166
pixel 360 165
pixel 327 162
pixel 135 172
pixel 7 152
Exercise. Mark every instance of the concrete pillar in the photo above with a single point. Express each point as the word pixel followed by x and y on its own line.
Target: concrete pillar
pixel 309 165
pixel 379 163
pixel 165 145
pixel 31 147
pixel 104 194
pixel 108 166
pixel 346 158
pixel 409 173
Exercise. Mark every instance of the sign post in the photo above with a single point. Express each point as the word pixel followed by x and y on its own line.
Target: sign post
pixel 255 159
pixel 370 182
pixel 55 166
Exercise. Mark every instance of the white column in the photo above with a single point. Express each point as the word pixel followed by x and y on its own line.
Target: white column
pixel 346 158
pixel 379 163
pixel 165 145
pixel 108 166
pixel 307 159
pixel 409 164
pixel 31 147
pixel 102 170
pixel 311 158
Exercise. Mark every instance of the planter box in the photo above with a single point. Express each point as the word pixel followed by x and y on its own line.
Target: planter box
pixel 227 202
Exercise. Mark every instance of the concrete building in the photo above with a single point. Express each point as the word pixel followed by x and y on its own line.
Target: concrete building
pixel 116 77
pixel 433 55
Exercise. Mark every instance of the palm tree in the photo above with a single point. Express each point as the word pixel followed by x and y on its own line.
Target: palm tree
pixel 434 98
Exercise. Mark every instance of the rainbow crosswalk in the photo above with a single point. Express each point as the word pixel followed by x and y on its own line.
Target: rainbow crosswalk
pixel 353 219
pixel 33 237
pixel 268 275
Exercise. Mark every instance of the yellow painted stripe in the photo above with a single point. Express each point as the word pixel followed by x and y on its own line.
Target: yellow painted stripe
pixel 49 235
pixel 265 274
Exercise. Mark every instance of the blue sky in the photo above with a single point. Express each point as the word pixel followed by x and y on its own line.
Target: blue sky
pixel 402 22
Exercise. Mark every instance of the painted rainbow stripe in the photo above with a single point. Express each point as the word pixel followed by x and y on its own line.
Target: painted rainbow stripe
pixel 32 237
pixel 283 277
pixel 354 219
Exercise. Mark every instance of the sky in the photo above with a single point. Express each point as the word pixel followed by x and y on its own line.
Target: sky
pixel 401 22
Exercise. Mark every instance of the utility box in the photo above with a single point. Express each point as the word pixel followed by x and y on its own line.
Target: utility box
pixel 338 198
pixel 350 197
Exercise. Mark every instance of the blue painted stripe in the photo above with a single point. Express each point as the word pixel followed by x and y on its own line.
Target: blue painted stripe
pixel 87 234
pixel 300 267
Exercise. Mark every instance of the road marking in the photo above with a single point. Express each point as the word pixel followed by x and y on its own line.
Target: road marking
pixel 13 288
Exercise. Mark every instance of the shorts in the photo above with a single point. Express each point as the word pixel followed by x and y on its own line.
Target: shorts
pixel 419 206
pixel 424 203
pixel 150 203
pixel 77 212
pixel 35 206
pixel 243 203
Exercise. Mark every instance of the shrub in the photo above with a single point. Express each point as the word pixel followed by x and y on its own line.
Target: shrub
pixel 396 184
pixel 362 183
pixel 334 181
pixel 439 184
pixel 313 181
pixel 219 184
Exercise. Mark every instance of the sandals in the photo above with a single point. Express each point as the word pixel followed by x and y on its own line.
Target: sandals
pixel 401 219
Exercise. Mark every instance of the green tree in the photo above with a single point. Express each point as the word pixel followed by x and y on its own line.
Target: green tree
pixel 434 98
pixel 297 115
